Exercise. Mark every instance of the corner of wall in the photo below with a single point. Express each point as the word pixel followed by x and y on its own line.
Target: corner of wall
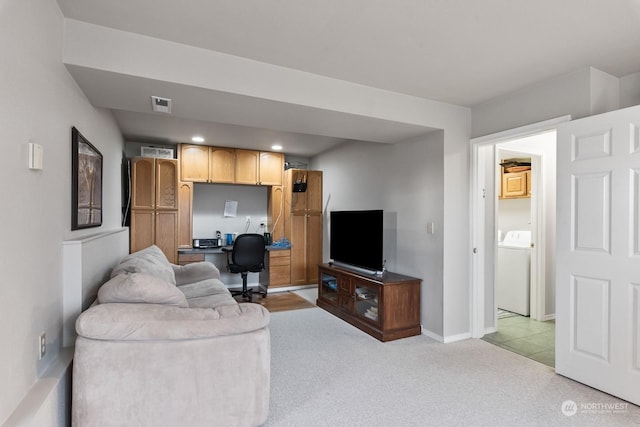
pixel 604 91
pixel 630 90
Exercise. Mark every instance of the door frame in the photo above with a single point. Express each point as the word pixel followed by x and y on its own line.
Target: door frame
pixel 479 211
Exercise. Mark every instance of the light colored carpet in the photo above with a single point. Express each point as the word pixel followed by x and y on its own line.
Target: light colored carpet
pixel 325 372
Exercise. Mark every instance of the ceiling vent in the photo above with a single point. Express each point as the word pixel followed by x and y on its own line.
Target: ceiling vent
pixel 161 105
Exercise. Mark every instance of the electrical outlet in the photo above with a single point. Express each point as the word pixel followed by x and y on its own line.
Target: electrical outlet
pixel 42 345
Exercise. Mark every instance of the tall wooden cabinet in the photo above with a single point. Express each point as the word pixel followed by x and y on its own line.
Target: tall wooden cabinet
pixel 185 214
pixel 303 223
pixel 154 205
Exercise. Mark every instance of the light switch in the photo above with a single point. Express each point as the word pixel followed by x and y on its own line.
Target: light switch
pixel 35 156
pixel 431 228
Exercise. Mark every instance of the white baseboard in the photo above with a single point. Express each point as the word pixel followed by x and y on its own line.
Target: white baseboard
pixel 447 339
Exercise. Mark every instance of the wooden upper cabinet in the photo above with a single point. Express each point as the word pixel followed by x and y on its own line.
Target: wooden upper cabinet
pixel 200 163
pixel 194 163
pixel 143 181
pixel 154 183
pixel 247 164
pixel 166 184
pixel 314 191
pixel 222 164
pixel 514 184
pixel 309 201
pixel 271 168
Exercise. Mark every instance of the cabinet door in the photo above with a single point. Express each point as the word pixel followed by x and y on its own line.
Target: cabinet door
pixel 314 191
pixel 142 229
pixel 275 213
pixel 297 229
pixel 279 268
pixel 366 301
pixel 194 163
pixel 166 236
pixel 271 168
pixel 185 225
pixel 222 164
pixel 296 200
pixel 314 245
pixel 328 287
pixel 143 181
pixel 246 171
pixel 528 177
pixel 514 184
pixel 166 184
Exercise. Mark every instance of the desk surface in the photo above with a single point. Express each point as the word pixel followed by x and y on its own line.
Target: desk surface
pixel 220 250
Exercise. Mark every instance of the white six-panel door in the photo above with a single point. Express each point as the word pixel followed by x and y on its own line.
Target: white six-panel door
pixel 598 252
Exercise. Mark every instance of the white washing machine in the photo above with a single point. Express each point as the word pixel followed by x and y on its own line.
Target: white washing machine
pixel 513 287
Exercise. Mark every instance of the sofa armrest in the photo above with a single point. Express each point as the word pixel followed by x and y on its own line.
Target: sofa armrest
pixel 195 272
pixel 141 322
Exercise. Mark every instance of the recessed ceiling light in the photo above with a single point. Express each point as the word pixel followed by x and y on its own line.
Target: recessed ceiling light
pixel 197 139
pixel 276 147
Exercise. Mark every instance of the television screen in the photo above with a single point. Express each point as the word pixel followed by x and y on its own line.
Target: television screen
pixel 355 238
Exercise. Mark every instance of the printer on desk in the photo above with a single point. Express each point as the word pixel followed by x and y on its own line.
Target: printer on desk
pixel 207 243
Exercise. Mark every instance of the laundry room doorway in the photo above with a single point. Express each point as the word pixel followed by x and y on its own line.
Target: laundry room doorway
pixel 513 186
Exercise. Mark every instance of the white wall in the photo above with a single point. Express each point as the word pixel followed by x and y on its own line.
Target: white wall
pixel 40 103
pixel 208 209
pixel 581 93
pixel 630 90
pixel 514 214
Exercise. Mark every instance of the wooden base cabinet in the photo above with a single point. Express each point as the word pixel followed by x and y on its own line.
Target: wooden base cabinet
pixel 277 272
pixel 386 307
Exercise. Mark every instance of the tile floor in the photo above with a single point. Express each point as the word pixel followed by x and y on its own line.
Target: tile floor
pixel 527 337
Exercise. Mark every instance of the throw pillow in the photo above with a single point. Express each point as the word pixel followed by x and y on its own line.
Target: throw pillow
pixel 140 288
pixel 150 260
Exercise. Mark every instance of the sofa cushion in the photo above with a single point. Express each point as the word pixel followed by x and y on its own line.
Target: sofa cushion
pixel 140 288
pixel 195 272
pixel 203 288
pixel 212 301
pixel 151 261
pixel 135 322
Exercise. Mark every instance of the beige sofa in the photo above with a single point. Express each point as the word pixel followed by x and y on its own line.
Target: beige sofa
pixel 167 345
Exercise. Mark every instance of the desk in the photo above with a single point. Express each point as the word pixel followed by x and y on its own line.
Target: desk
pixel 277 272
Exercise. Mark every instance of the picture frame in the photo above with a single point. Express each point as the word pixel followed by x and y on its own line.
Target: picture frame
pixel 86 183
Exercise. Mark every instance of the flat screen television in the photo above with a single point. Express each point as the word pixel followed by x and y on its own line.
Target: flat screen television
pixel 355 239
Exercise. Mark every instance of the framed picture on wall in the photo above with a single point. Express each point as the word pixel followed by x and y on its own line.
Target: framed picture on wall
pixel 86 183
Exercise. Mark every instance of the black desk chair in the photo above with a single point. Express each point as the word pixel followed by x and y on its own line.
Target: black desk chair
pixel 247 255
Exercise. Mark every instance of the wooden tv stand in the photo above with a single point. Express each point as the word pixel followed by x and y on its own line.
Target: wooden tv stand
pixel 386 307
